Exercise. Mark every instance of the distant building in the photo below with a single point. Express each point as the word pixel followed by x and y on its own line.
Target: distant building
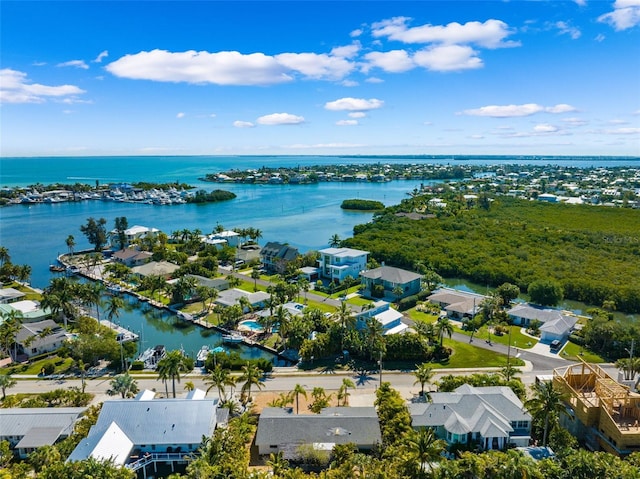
pixel 160 268
pixel 276 256
pixel 336 264
pixel 223 238
pixel 131 235
pixel 390 278
pixel 457 304
pixel 132 257
pixel 389 318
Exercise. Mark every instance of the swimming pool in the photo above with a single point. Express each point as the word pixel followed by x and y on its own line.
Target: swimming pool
pixel 251 325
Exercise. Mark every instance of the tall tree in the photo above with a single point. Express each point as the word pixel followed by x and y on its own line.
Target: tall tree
pixel 114 305
pixel 346 319
pixel 171 366
pixel 334 241
pixel 6 382
pixel 251 376
pixel 424 374
pixel 297 391
pixel 219 378
pixel 547 402
pixel 343 391
pixel 121 225
pixel 96 232
pixel 255 276
pixel 444 326
pixel 424 447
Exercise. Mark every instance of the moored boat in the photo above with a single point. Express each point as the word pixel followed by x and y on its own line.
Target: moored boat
pixel 233 338
pixel 202 356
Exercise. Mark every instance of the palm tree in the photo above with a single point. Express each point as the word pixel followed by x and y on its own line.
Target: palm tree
pixel 219 378
pixel 282 317
pixel 304 285
pixel 171 366
pixel 92 295
pixel 189 386
pixel 343 391
pixel 424 374
pixel 547 402
pixel 428 330
pixel 59 297
pixel 114 305
pixel 251 375
pixel 255 276
pixel 6 381
pixel 398 292
pixel 4 256
pixel 374 333
pixel 346 319
pixel 424 447
pixel 82 367
pixel 124 385
pixel 509 372
pixel 71 243
pixel 9 328
pixel 444 326
pixel 334 241
pixel 297 391
pixel 233 281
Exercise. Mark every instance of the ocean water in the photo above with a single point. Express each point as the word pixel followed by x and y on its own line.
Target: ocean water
pixel 305 216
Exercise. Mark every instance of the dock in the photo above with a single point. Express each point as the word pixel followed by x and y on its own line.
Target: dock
pixel 123 335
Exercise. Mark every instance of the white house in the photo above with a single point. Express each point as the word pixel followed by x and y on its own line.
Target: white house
pixel 457 304
pixel 389 318
pixel 492 417
pixel 223 238
pixel 135 433
pixel 556 324
pixel 40 337
pixel 131 234
pixel 337 263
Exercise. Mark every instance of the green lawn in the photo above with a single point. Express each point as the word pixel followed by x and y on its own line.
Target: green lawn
pixel 416 315
pixel 518 340
pixel 469 356
pixel 572 351
pixel 36 366
pixel 358 301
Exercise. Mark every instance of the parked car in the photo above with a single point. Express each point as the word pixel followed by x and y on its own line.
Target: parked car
pixel 555 345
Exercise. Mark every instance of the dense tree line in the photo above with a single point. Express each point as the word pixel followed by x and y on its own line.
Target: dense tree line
pixel 202 196
pixel 365 205
pixel 593 253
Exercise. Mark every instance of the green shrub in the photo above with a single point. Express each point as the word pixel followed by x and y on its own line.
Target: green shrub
pixel 575 339
pixel 49 368
pixel 137 366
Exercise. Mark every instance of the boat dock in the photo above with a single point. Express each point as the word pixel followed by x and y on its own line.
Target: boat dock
pixel 123 335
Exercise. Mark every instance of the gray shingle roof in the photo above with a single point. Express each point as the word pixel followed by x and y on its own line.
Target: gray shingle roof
pixel 391 274
pixel 358 425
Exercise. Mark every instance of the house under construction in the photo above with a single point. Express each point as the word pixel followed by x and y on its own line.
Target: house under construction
pixel 601 413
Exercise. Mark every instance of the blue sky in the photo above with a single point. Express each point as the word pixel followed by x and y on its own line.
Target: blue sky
pixel 331 77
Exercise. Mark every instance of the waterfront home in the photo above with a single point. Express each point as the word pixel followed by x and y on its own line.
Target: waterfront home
pixel 491 417
pixel 231 297
pixel 131 235
pixel 26 429
pixel 336 264
pixel 144 431
pixel 276 256
pixel 382 282
pixel 280 430
pixel 217 283
pixel 223 238
pixel 155 268
pixel 389 318
pixel 29 311
pixel 601 413
pixel 38 338
pixel 556 324
pixel 132 257
pixel 457 304
pixel 10 295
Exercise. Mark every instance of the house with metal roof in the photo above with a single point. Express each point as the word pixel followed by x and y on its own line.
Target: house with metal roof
pixel 389 318
pixel 27 429
pixel 10 295
pixel 382 282
pixel 281 430
pixel 131 235
pixel 144 431
pixel 232 296
pixel 29 311
pixel 42 337
pixel 275 256
pixel 492 417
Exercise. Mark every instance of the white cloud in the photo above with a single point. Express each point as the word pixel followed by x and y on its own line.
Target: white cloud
pixel 508 111
pixel 374 80
pixel 395 61
pixel 448 58
pixel 354 104
pixel 357 114
pixel 476 137
pixel 356 33
pixel 599 37
pixel 102 55
pixel 618 122
pixel 566 29
pixel 222 68
pixel 581 3
pixel 316 66
pixel 74 63
pixel 545 128
pixel 573 121
pixel 243 124
pixel 490 34
pixel 349 83
pixel 39 64
pixel 180 115
pixel 623 131
pixel 347 122
pixel 280 119
pixel 16 88
pixel 347 51
pixel 625 15
pixel 212 115
pixel 68 112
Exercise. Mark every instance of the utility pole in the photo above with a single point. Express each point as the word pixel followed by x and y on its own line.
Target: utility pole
pixel 509 356
pixel 380 363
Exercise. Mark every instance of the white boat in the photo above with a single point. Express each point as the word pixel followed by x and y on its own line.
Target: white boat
pixel 233 338
pixel 202 356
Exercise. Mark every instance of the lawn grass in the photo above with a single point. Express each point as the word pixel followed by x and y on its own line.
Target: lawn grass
pixel 35 367
pixel 416 315
pixel 518 340
pixel 30 294
pixel 573 351
pixel 468 356
pixel 358 301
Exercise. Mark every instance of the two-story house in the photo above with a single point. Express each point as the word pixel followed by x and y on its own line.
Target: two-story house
pixel 336 264
pixel 387 281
